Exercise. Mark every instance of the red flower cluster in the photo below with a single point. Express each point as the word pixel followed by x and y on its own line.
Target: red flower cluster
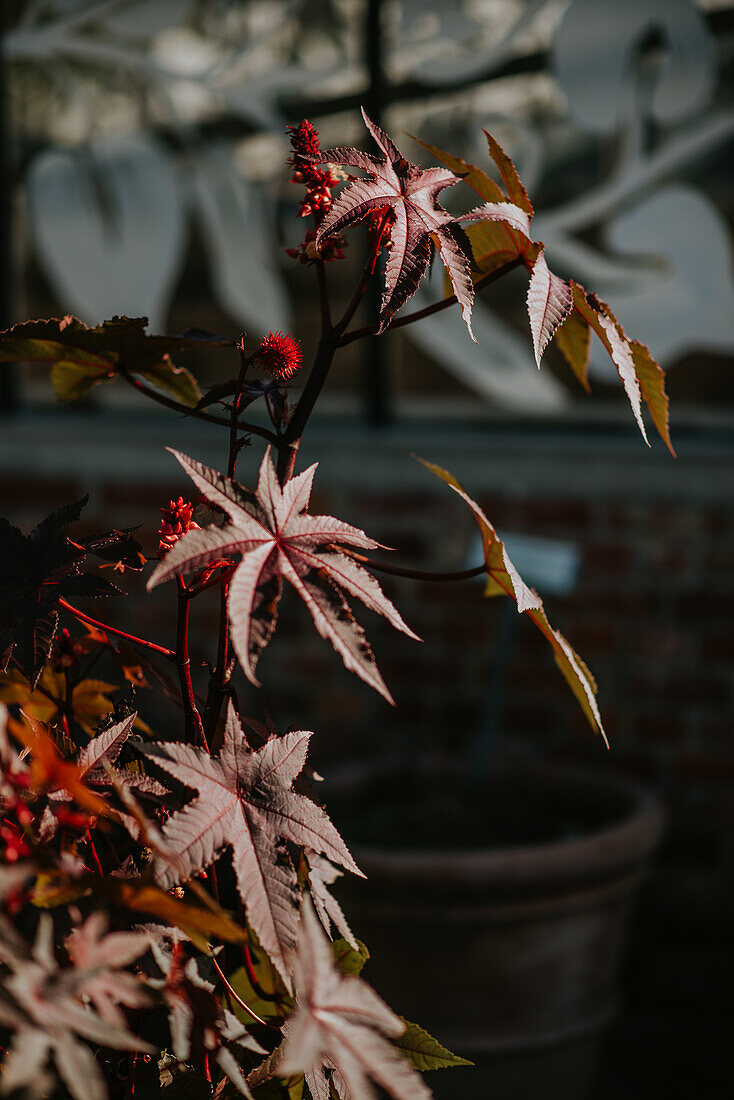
pixel 373 221
pixel 304 140
pixel 279 355
pixel 318 181
pixel 176 520
pixel 307 252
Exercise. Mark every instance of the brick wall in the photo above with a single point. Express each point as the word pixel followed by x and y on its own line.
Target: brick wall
pixel 652 611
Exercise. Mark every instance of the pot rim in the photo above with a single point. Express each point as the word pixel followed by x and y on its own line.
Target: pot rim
pixel 613 849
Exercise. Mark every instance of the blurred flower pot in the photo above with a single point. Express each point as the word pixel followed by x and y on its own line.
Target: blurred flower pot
pixel 509 954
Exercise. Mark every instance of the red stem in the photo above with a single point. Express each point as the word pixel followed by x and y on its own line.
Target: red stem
pixel 167 653
pixel 236 997
pixel 252 977
pixel 185 410
pixel 427 311
pixel 194 725
pixel 367 272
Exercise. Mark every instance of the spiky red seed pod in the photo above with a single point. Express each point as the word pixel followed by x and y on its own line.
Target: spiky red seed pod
pixel 279 355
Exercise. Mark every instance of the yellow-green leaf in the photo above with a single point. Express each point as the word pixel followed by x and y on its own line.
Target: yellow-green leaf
pixel 573 338
pixel 642 377
pixel 73 380
pixel 424 1052
pixel 81 356
pixel 177 381
pixel 275 1003
pixel 504 579
pixel 347 959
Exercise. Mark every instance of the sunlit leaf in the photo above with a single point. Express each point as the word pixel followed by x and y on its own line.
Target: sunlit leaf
pixel 503 579
pixel 279 539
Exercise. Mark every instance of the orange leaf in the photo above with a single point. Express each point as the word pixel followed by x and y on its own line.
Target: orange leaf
pixel 514 186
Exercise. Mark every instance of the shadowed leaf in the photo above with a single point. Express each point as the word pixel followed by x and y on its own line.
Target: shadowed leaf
pixel 82 356
pixel 424 1052
pixel 245 800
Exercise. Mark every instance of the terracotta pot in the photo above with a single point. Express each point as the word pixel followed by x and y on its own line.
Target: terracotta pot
pixel 510 955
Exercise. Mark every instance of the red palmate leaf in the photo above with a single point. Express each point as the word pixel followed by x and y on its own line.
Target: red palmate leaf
pixel 42 1005
pixel 35 570
pixel 411 192
pixel 340 1023
pixel 245 800
pixel 278 539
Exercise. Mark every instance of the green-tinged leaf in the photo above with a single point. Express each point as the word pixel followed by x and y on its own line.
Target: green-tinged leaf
pixel 651 377
pixel 641 376
pixel 424 1052
pixel 177 381
pixel 281 1088
pixel 503 579
pixel 82 356
pixel 478 180
pixel 74 380
pixel 513 185
pixel 270 1001
pixel 347 959
pixel 267 1085
pixel 573 338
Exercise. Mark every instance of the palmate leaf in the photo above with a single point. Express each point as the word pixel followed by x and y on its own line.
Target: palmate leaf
pixel 35 571
pixel 81 357
pixel 340 1023
pixel 321 874
pixel 278 539
pixel 411 192
pixel 556 307
pixel 89 698
pixel 199 1025
pixel 50 771
pixel 245 801
pixel 503 579
pixel 41 1004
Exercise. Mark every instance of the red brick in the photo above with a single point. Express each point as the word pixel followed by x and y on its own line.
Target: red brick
pixel 719 645
pixel 705 766
pixel 608 559
pixel 43 494
pixel 555 514
pixel 661 729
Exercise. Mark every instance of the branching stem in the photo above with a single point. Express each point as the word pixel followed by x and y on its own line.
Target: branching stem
pixel 415 574
pixel 236 997
pixel 186 410
pixel 428 311
pixel 194 726
pixel 82 617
